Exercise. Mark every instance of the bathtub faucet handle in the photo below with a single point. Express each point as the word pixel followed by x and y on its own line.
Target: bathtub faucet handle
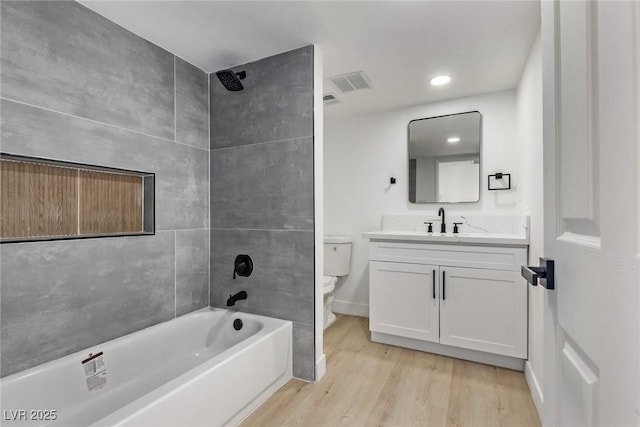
pixel 242 266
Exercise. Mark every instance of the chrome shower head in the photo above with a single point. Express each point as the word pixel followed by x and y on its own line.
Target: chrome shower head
pixel 231 79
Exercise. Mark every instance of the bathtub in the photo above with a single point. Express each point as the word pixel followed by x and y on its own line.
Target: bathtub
pixel 195 370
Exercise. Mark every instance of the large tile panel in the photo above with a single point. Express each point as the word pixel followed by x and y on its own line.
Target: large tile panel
pixel 265 186
pixel 282 283
pixel 192 105
pixel 62 296
pixel 276 103
pixel 65 57
pixel 181 171
pixel 192 270
pixel 304 365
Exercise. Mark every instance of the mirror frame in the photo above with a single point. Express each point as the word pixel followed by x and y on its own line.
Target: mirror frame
pixel 480 175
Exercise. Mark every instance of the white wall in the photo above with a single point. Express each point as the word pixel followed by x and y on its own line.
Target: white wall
pixel 318 213
pixel 362 152
pixel 529 101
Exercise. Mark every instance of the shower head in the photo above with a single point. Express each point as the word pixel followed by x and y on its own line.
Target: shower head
pixel 231 79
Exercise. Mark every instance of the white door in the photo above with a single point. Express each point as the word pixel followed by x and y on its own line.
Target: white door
pixel 592 206
pixel 403 299
pixel 484 310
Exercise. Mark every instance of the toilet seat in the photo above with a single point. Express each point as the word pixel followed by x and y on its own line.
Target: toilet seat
pixel 328 284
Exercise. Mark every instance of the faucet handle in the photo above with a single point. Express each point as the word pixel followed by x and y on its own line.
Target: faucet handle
pixel 455 227
pixel 430 226
pixel 242 266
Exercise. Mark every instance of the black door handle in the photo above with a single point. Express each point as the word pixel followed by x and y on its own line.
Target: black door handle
pixel 433 276
pixel 444 288
pixel 545 273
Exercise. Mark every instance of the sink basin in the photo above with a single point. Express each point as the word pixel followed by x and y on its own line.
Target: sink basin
pixel 466 238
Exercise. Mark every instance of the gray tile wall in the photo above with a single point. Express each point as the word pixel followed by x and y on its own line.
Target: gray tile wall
pixel 262 194
pixel 77 87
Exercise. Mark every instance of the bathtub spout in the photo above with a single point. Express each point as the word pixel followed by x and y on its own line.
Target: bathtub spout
pixel 235 298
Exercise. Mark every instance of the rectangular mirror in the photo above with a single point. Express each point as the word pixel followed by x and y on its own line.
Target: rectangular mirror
pixel 444 158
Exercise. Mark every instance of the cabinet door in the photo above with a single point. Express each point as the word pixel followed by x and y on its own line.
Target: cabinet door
pixel 403 299
pixel 484 310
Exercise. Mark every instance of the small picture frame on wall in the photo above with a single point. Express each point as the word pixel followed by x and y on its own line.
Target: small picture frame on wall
pixel 499 181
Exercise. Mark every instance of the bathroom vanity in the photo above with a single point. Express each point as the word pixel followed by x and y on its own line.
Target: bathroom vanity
pixel 459 295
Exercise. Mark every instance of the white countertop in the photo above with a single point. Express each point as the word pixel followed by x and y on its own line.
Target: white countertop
pixel 469 238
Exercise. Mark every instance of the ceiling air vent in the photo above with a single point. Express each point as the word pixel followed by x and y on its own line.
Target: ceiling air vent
pixel 351 81
pixel 330 99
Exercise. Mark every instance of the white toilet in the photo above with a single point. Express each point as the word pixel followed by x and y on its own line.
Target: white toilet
pixel 337 260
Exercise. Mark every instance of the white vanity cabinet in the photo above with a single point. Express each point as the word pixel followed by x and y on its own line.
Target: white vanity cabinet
pixel 403 299
pixel 463 300
pixel 484 310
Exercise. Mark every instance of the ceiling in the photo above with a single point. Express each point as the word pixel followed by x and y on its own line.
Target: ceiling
pixel 483 45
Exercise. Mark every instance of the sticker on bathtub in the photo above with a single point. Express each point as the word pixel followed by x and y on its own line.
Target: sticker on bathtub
pixel 95 371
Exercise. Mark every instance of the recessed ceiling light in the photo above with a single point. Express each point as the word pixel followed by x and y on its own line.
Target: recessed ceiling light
pixel 453 140
pixel 440 80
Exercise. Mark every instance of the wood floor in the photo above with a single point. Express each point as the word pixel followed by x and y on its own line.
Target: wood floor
pixel 371 384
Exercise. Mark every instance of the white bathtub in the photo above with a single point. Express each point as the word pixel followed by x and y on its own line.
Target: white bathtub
pixel 195 370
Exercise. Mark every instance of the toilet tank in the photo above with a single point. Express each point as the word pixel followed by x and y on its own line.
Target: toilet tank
pixel 337 255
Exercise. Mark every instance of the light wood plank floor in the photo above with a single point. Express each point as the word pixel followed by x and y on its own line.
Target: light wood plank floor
pixel 371 384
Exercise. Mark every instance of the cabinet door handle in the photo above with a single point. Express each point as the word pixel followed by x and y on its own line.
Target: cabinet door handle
pixel 444 288
pixel 433 276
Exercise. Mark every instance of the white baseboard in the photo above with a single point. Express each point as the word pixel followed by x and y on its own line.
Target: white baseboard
pixel 321 367
pixel 534 388
pixel 446 350
pixel 351 308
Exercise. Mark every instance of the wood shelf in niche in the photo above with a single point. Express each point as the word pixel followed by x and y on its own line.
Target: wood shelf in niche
pixel 42 199
pixel 38 200
pixel 110 203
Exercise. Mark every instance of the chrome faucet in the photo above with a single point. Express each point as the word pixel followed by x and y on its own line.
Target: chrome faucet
pixel 235 298
pixel 443 225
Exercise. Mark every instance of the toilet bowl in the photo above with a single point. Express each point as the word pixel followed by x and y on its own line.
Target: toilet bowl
pixel 328 291
pixel 337 260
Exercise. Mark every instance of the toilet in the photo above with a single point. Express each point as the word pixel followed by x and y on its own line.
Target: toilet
pixel 337 260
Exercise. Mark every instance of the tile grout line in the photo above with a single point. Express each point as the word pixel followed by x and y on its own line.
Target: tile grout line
pixel 301 323
pixel 175 102
pixel 101 123
pixel 209 186
pixel 260 229
pixel 175 273
pixel 209 109
pixel 181 229
pixel 209 264
pixel 263 143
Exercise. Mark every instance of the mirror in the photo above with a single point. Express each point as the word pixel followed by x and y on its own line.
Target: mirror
pixel 444 159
